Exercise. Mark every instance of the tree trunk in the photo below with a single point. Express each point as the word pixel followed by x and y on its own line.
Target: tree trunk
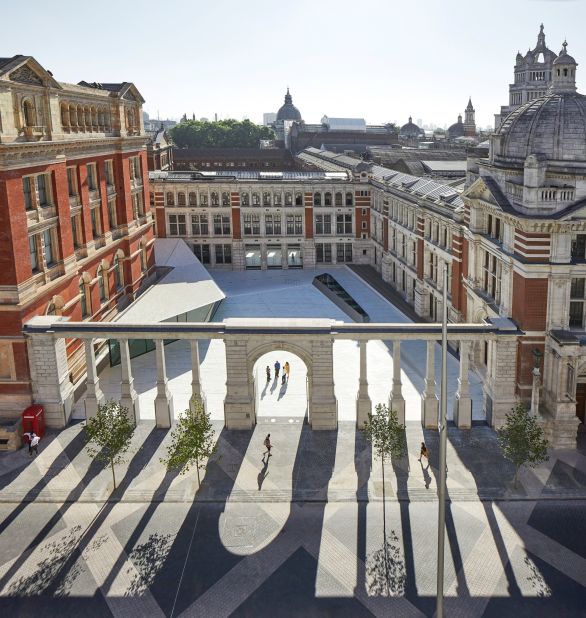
pixel 113 475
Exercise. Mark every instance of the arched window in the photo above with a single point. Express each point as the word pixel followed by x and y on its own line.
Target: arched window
pixel 338 199
pixel 288 199
pixel 349 199
pixel 65 116
pixel 328 199
pixel 118 279
pixel 87 118
pixel 266 198
pixel 83 299
pixel 94 113
pixel 170 199
pixel 299 199
pixel 225 199
pixel 80 118
pixel 29 113
pixel 101 284
pixel 255 199
pixel 181 199
pixel 73 117
pixel 244 199
pixel 192 199
pixel 101 118
pixel 317 199
pixel 215 199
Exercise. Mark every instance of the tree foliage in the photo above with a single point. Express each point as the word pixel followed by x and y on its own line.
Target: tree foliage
pixel 108 435
pixel 522 440
pixel 386 433
pixel 220 134
pixel 192 440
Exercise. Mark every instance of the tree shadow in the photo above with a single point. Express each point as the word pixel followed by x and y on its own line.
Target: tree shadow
pixel 385 569
pixel 148 559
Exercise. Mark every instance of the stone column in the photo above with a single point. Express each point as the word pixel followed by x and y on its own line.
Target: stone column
pixel 363 402
pixel 462 401
pixel 195 381
pixel 94 396
pixel 429 399
pixel 239 412
pixel 47 357
pixel 323 404
pixel 164 400
pixel 396 400
pixel 129 397
pixel 536 385
pixel 501 373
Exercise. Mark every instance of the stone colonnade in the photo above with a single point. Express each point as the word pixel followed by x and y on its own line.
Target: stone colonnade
pixel 246 340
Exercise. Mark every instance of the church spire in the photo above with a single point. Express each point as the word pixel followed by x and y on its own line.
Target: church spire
pixel 541 37
pixel 288 97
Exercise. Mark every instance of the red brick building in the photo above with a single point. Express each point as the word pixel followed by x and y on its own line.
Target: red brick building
pixel 76 230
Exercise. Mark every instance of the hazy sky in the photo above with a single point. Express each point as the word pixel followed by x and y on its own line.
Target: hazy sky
pixel 381 59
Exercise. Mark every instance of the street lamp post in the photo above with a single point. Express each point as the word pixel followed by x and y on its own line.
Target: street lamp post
pixel 443 470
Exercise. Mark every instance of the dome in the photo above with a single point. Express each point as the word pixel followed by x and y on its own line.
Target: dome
pixel 564 57
pixel 553 126
pixel 410 130
pixel 457 129
pixel 288 111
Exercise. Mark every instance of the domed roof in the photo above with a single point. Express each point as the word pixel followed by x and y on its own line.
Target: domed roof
pixel 410 130
pixel 288 111
pixel 457 129
pixel 553 126
pixel 564 57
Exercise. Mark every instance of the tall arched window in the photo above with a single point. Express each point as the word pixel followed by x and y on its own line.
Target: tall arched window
pixel 181 198
pixel 338 199
pixel 255 199
pixel 101 284
pixel 83 299
pixel 65 116
pixel 170 199
pixel 225 199
pixel 192 199
pixel 328 199
pixel 349 199
pixel 215 199
pixel 118 274
pixel 317 199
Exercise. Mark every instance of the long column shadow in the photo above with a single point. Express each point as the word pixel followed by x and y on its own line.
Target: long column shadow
pixel 362 465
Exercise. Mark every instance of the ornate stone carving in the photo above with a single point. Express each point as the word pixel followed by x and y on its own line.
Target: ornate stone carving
pixel 26 75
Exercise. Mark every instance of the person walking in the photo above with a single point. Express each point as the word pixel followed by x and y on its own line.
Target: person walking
pixel 277 369
pixel 268 445
pixel 287 369
pixel 284 378
pixel 424 452
pixel 33 445
pixel 268 374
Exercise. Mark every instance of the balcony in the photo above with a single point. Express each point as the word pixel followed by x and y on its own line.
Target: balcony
pixel 33 133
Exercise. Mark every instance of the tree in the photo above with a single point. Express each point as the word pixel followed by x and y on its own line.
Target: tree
pixel 192 440
pixel 219 134
pixel 522 440
pixel 108 435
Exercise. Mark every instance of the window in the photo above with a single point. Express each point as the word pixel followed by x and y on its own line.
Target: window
pixel 247 225
pixel 143 259
pixel 29 113
pixel 492 276
pixel 170 199
pixel 181 199
pixel 494 228
pixel 323 224
pixel 344 224
pixel 338 199
pixel 225 199
pixel 202 253
pixel 177 225
pixel 223 254
pixel 76 231
pixel 118 273
pixel 298 199
pixel 298 225
pixel 26 188
pixel 48 247
pixel 256 225
pixel 83 299
pixel 221 225
pixel 349 199
pixel 109 168
pixel 41 180
pixel 72 182
pixel 215 199
pixel 255 199
pixel 323 253
pixel 96 223
pixel 244 199
pixel 137 206
pixel 199 225
pixel 101 284
pixel 269 225
pixel 317 199
pixel 288 199
pixel 92 181
pixel 203 199
pixel 344 252
pixel 579 247
pixel 112 214
pixel 266 199
pixel 32 245
pixel 577 303
pixel 327 199
pixel 290 225
pixel 192 199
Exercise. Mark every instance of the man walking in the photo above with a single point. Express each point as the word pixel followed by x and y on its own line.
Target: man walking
pixel 33 445
pixel 268 374
pixel 268 446
pixel 277 369
pixel 424 452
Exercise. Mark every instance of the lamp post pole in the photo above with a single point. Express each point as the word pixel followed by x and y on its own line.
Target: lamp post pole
pixel 443 436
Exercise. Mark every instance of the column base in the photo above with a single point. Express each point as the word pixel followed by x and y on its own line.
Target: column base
pixel 91 405
pixel 429 411
pixel 164 410
pixel 324 415
pixel 363 409
pixel 239 415
pixel 463 412
pixel 131 402
pixel 397 404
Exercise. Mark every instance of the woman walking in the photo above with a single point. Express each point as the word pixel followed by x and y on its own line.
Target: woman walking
pixel 268 445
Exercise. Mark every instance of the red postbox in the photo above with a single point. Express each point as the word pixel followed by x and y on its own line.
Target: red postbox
pixel 33 419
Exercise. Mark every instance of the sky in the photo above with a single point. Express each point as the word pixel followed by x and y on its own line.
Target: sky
pixel 381 60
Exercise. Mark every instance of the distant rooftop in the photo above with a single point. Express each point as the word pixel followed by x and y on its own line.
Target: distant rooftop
pixel 247 176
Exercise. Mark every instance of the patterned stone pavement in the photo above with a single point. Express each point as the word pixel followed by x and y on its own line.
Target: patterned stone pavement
pixel 307 533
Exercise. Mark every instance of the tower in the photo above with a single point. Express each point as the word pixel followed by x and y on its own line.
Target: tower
pixel 469 120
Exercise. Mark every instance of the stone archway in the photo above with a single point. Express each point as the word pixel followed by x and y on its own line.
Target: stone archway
pixel 241 356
